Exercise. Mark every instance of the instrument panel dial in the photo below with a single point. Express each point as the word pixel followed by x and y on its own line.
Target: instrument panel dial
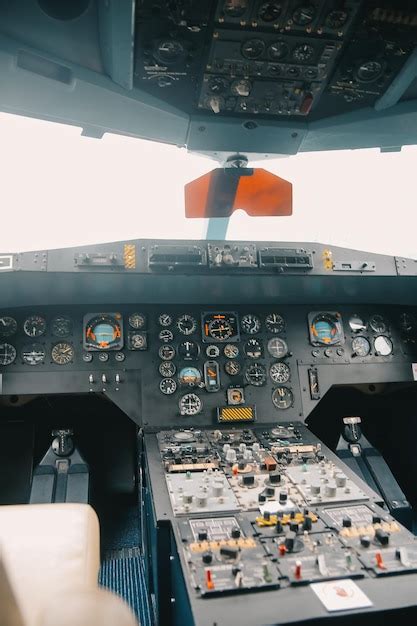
pixel 168 386
pixel 275 323
pixel 326 328
pixel 383 346
pixel 250 324
pixel 255 374
pixel 277 347
pixel 165 320
pixel 167 369
pixel 282 398
pixel 61 326
pixel 137 321
pixel 190 376
pixel 232 368
pixel 166 335
pixel 190 404
pixel 304 15
pixel 280 372
pixel 103 331
pixel 378 323
pixel 361 346
pixel 7 354
pixel 166 352
pixel 220 327
pixel 33 354
pixel 34 326
pixel 62 353
pixel 270 11
pixel 186 324
pixel 253 349
pixel 231 351
pixel 8 326
pixel 253 49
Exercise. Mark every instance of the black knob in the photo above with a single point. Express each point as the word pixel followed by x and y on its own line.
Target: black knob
pixel 382 537
pixel 261 497
pixel 235 533
pixel 274 478
pixel 248 479
pixel 267 516
pixel 202 535
pixel 376 519
pixel 289 541
pixel 307 524
pixel 294 527
pixel 207 557
pixel 283 497
pixel 365 541
pixel 270 491
pixel 278 526
pixel 347 522
pixel 241 465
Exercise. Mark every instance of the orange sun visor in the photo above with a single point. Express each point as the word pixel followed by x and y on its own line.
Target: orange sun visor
pixel 223 191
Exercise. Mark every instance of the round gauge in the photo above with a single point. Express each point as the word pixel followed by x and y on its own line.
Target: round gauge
pixel 165 320
pixel 275 323
pixel 408 324
pixel 293 72
pixel 167 369
pixel 253 48
pixel 168 386
pixel 87 357
pixel 137 321
pixel 369 71
pixel 241 87
pixel 220 329
pixel 232 368
pixel 190 376
pixel 169 51
pixel 103 332
pixel 250 324
pixel 33 354
pixel 8 326
pixel 7 353
pixel 336 19
pixel 383 346
pixel 278 50
pixel 253 349
pixel 62 353
pixel 188 350
pixel 280 372
pixel 61 326
pixel 255 374
pixel 326 329
pixel 137 341
pixel 34 326
pixel 213 351
pixel 119 357
pixel 270 11
pixel 378 323
pixel 166 335
pixel 166 352
pixel 103 357
pixel 361 346
pixel 277 347
pixel 282 398
pixel 186 324
pixel 218 85
pixel 231 351
pixel 357 325
pixel 190 404
pixel 235 8
pixel 304 15
pixel 303 53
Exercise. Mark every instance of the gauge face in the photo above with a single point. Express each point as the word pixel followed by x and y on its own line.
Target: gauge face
pixel 8 326
pixel 361 346
pixel 34 326
pixel 186 324
pixel 169 51
pixel 278 50
pixel 280 372
pixel 275 323
pixel 166 352
pixel 166 335
pixel 103 332
pixel 383 345
pixel 369 71
pixel 326 329
pixel 87 357
pixel 253 349
pixel 190 404
pixel 241 87
pixel 378 324
pixel 336 19
pixel 282 398
pixel 119 357
pixel 304 15
pixel 231 351
pixel 218 85
pixel 253 48
pixel 255 374
pixel 165 320
pixel 303 53
pixel 168 386
pixel 33 354
pixel 277 347
pixel 7 353
pixel 213 351
pixel 62 353
pixel 188 350
pixel 250 324
pixel 137 321
pixel 61 326
pixel 167 369
pixel 190 376
pixel 137 341
pixel 408 324
pixel 357 324
pixel 232 368
pixel 235 8
pixel 103 357
pixel 219 327
pixel 270 11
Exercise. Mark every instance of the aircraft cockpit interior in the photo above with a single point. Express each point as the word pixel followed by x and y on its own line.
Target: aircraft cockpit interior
pixel 211 430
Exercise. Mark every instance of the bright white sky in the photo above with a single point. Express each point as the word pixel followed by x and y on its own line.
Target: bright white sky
pixel 61 189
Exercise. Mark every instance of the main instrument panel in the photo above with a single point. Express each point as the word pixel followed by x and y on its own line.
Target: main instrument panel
pixel 211 365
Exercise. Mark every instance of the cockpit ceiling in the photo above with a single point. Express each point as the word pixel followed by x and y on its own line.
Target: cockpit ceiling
pixel 210 68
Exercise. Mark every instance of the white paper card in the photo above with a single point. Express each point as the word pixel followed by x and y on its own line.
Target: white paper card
pixel 414 366
pixel 341 595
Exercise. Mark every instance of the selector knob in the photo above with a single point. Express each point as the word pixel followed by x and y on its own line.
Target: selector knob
pixel 275 478
pixel 201 500
pixel 330 490
pixel 294 527
pixel 242 447
pixel 315 489
pixel 283 497
pixel 256 447
pixel 382 537
pixel 289 541
pixel 231 455
pixel 365 541
pixel 202 535
pixel 347 522
pixel 340 480
pixel 207 557
pixel 270 492
pixel 278 526
pixel 241 466
pixel 307 524
pixel 187 498
pixel 218 489
pixel 235 533
pixel 376 519
pixel 248 480
pixel 226 447
pixel 261 497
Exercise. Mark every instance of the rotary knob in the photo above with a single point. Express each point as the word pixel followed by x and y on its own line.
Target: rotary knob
pixel 218 489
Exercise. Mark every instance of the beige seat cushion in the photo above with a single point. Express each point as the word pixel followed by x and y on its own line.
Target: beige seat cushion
pixel 47 550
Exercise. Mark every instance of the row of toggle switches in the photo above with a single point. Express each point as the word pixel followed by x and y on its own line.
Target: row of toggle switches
pixel 104 380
